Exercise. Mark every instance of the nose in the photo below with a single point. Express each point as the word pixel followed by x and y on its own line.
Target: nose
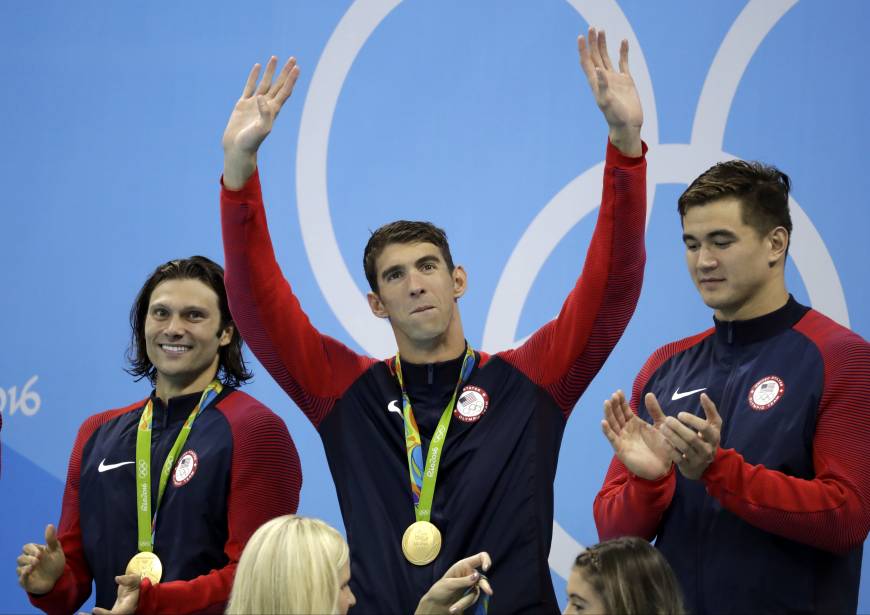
pixel 706 259
pixel 415 283
pixel 175 326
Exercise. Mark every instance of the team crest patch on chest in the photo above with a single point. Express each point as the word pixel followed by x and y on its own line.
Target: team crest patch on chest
pixel 185 468
pixel 471 405
pixel 766 392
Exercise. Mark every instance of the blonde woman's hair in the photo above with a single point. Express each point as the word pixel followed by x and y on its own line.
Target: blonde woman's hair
pixel 290 565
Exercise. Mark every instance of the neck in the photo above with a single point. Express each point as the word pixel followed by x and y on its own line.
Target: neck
pixel 168 387
pixel 436 350
pixel 768 300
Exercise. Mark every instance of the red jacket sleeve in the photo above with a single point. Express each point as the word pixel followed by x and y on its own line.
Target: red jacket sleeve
pixel 628 505
pixel 313 369
pixel 74 586
pixel 566 353
pixel 265 482
pixel 831 511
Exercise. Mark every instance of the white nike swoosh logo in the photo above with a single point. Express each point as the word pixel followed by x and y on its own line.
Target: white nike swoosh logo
pixel 392 407
pixel 104 467
pixel 677 395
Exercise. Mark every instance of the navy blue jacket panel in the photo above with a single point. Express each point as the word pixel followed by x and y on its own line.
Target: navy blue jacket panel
pixel 237 469
pixel 777 522
pixel 494 489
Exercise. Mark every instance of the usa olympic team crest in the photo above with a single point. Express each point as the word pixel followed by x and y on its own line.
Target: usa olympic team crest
pixel 185 468
pixel 766 392
pixel 471 405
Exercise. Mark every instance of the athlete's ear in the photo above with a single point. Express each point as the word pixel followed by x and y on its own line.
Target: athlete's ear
pixel 377 306
pixel 460 281
pixel 226 336
pixel 778 239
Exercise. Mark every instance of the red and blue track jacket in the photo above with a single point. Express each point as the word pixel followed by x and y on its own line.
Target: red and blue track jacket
pixel 777 522
pixel 495 482
pixel 242 470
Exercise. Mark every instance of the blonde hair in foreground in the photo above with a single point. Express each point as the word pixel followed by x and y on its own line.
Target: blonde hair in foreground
pixel 290 565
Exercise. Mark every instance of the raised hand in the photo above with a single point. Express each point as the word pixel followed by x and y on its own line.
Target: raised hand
pixel 459 588
pixel 128 596
pixel 40 566
pixel 637 444
pixel 693 440
pixel 614 91
pixel 252 119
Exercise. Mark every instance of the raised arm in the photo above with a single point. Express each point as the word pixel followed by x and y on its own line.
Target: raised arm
pixel 252 119
pixel 565 354
pixel 614 91
pixel 312 368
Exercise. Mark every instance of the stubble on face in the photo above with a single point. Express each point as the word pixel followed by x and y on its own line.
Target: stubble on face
pixel 729 262
pixel 417 293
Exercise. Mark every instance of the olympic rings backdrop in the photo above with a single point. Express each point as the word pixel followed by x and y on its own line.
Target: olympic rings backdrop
pixel 475 115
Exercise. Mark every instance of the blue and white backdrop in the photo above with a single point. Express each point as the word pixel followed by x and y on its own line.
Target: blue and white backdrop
pixel 473 114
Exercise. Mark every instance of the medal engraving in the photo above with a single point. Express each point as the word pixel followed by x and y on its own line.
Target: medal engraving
pixel 146 564
pixel 421 543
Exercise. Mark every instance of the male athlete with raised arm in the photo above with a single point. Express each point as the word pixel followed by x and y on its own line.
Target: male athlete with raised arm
pixel 442 450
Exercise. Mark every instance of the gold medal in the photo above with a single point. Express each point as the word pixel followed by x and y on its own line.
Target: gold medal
pixel 146 564
pixel 421 543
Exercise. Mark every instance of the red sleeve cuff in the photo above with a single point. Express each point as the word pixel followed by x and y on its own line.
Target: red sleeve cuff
pixel 147 597
pixel 651 484
pixel 616 158
pixel 714 472
pixel 248 192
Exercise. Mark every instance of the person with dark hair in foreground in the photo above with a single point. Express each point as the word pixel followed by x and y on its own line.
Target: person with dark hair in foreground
pixel 751 476
pixel 212 460
pixel 301 565
pixel 488 426
pixel 623 576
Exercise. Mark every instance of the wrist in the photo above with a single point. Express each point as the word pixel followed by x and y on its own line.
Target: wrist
pixel 627 140
pixel 238 168
pixel 426 606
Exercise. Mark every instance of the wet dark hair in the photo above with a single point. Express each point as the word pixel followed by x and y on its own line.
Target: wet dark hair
pixel 402 231
pixel 632 577
pixel 761 189
pixel 232 370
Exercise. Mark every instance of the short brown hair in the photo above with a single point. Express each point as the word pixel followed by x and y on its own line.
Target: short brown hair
pixel 632 577
pixel 232 370
pixel 761 189
pixel 402 231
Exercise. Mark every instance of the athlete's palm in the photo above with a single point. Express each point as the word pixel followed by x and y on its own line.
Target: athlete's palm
pixel 255 112
pixel 40 566
pixel 638 445
pixel 614 90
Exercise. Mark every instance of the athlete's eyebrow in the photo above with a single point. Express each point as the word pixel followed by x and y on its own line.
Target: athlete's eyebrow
pixel 390 270
pixel 429 258
pixel 721 234
pixel 717 234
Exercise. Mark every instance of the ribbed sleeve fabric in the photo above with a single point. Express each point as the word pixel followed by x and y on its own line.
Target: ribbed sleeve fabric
pixel 74 586
pixel 628 505
pixel 831 511
pixel 313 369
pixel 566 353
